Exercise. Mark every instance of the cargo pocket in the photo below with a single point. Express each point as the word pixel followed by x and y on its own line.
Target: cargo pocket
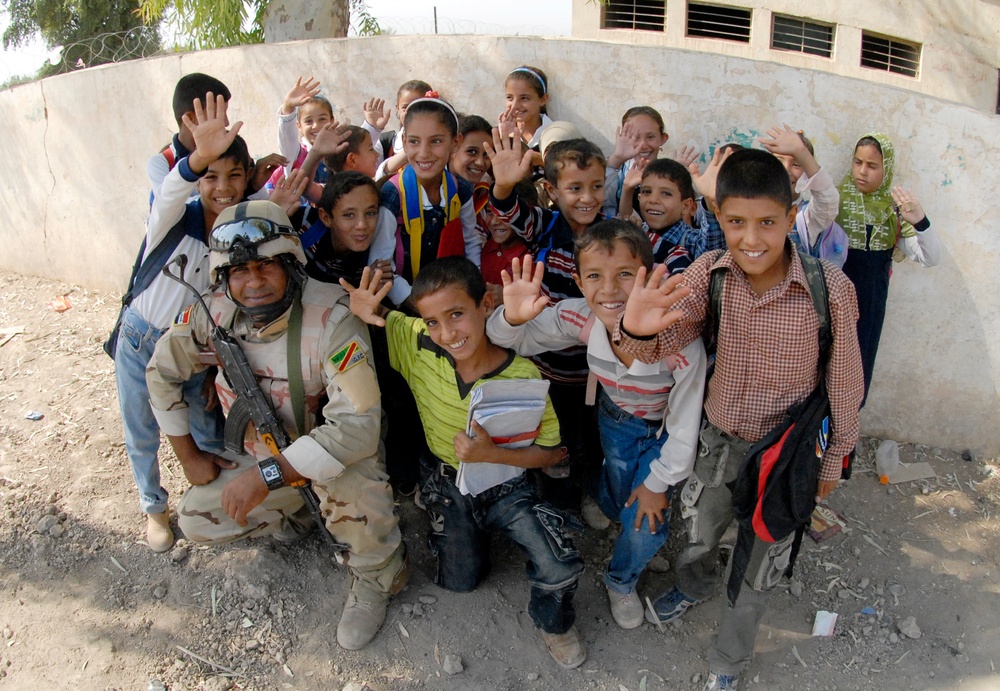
pixel 710 467
pixel 773 565
pixel 689 506
pixel 554 524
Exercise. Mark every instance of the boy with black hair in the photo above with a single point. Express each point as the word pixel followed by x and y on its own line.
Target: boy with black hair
pixel 767 360
pixel 443 355
pixel 574 181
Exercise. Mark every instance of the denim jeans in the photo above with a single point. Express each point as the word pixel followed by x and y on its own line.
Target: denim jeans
pixel 460 539
pixel 136 343
pixel 630 447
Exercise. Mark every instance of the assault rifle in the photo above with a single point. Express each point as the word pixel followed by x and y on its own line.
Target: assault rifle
pixel 251 405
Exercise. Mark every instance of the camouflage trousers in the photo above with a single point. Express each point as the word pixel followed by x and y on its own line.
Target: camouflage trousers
pixel 357 506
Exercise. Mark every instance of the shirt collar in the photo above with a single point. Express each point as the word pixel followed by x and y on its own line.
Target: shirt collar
pixel 795 271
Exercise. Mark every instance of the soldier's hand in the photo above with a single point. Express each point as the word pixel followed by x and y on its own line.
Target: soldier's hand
pixel 202 467
pixel 243 494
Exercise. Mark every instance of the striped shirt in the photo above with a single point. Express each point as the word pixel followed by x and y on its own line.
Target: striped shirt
pixel 442 397
pixel 768 351
pixel 669 390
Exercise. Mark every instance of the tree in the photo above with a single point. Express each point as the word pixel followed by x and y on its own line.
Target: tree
pixel 201 24
pixel 93 32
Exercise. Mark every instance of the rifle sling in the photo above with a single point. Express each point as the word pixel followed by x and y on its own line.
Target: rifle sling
pixel 295 386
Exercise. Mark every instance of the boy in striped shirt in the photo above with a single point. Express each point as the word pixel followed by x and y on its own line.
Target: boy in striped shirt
pixel 649 414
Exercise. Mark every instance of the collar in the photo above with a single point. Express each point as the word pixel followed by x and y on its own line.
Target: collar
pixel 243 326
pixel 180 151
pixel 796 274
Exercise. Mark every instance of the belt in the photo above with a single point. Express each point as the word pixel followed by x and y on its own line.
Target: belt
pixel 447 470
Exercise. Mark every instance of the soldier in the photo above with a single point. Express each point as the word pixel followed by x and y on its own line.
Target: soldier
pixel 257 263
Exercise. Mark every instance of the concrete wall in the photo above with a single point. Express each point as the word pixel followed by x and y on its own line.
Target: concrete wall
pixel 73 196
pixel 960 40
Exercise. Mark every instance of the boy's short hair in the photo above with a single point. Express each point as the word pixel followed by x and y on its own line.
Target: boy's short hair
pixel 343 183
pixel 731 146
pixel 753 174
pixel 357 136
pixel 605 234
pixel 526 191
pixel 192 86
pixel 675 172
pixel 239 152
pixel 579 151
pixel 450 271
pixel 473 123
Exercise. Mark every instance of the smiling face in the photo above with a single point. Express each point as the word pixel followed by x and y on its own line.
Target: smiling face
pixel 648 135
pixel 578 193
pixel 365 160
pixel 312 118
pixel 756 232
pixel 867 168
pixel 499 230
pixel 428 145
pixel 469 160
pixel 526 102
pixel 793 168
pixel 660 202
pixel 403 102
pixel 353 219
pixel 222 185
pixel 606 279
pixel 257 283
pixel 455 322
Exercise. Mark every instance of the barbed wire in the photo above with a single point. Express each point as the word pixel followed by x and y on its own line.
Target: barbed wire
pixel 425 25
pixel 116 46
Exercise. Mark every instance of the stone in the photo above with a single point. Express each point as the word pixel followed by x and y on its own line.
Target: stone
pixel 427 599
pixel 178 554
pixel 45 524
pixel 252 644
pixel 864 583
pixel 159 592
pixel 58 530
pixel 8 633
pixel 659 564
pixel 908 627
pixel 254 591
pixel 452 664
pixel 844 594
pixel 897 589
pixel 53 496
pixel 418 610
pixel 893 638
pixel 533 676
pixel 796 588
pixel 355 686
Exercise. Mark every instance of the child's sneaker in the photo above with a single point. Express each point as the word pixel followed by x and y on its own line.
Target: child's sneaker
pixel 626 608
pixel 670 605
pixel 722 682
pixel 566 649
pixel 592 514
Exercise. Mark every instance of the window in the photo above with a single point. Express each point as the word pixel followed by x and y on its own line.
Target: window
pixel 801 36
pixel 890 54
pixel 714 21
pixel 644 15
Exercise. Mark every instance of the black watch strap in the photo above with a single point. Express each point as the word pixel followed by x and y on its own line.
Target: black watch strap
pixel 270 471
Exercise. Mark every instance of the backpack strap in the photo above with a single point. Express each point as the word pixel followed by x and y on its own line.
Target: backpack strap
pixel 144 271
pixel 816 279
pixel 714 315
pixel 542 252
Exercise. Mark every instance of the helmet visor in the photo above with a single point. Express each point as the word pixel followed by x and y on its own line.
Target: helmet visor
pixel 248 232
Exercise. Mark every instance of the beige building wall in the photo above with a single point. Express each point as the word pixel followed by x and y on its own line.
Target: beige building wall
pixel 74 194
pixel 960 40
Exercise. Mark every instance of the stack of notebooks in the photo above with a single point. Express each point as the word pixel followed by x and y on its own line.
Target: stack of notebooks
pixel 510 410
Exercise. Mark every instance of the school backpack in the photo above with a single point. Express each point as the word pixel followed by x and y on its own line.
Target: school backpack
pixel 831 244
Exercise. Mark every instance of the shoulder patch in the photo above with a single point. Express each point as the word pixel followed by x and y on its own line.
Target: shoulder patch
pixel 348 356
pixel 184 318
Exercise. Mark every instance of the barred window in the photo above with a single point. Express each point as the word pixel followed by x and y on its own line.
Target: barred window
pixel 890 54
pixel 802 36
pixel 716 21
pixel 642 15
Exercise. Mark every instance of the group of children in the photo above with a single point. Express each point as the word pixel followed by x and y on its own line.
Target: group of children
pixel 474 244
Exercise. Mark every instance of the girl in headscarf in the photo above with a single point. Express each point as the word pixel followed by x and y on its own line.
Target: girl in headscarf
pixel 878 219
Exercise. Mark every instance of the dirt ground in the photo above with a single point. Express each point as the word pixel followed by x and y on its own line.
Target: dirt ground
pixel 84 604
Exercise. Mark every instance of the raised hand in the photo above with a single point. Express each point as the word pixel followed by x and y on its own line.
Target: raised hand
pixel 288 190
pixel 366 299
pixel 264 167
pixel 509 165
pixel 705 182
pixel 385 266
pixel 627 145
pixel 633 178
pixel 376 114
pixel 522 291
pixel 332 139
pixel 909 208
pixel 209 129
pixel 300 94
pixel 650 306
pixel 507 123
pixel 686 155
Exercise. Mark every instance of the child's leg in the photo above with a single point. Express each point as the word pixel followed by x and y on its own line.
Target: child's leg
pixel 554 564
pixel 207 426
pixel 578 428
pixel 457 539
pixel 630 447
pixel 869 272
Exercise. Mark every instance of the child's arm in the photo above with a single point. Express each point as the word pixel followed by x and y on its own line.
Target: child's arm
pixel 391 165
pixel 331 139
pixel 263 169
pixel 366 299
pixel 917 240
pixel 383 245
pixel 288 132
pixel 376 118
pixel 481 449
pixel 633 178
pixel 288 190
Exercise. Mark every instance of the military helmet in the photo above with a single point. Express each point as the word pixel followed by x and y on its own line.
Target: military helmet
pixel 250 231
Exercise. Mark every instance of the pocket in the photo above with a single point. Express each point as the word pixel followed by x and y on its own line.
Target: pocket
pixel 131 336
pixel 710 467
pixel 773 565
pixel 554 524
pixel 431 492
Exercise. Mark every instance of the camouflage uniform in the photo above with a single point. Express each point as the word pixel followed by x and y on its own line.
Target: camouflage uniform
pixel 340 456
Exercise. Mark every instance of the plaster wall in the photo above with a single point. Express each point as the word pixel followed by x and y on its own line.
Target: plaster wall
pixel 73 197
pixel 960 40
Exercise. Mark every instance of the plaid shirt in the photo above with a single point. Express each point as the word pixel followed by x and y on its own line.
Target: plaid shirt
pixel 768 351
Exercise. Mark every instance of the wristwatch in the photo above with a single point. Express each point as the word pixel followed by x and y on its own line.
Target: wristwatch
pixel 271 472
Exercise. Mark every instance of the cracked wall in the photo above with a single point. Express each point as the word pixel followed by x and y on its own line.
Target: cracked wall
pixel 73 197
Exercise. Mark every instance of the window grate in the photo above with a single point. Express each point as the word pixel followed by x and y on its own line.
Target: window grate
pixel 714 21
pixel 640 15
pixel 890 54
pixel 801 36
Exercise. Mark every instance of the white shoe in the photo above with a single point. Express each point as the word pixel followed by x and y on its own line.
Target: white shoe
pixel 159 536
pixel 592 514
pixel 626 608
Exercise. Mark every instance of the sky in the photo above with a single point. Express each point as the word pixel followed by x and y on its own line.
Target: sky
pixel 525 17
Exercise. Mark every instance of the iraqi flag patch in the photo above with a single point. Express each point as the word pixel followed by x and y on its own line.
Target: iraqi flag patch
pixel 348 356
pixel 184 318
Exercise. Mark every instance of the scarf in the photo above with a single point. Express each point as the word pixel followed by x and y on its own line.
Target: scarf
pixel 876 209
pixel 452 241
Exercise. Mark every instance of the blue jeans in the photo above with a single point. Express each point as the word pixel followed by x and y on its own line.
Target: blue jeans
pixel 460 539
pixel 136 343
pixel 630 447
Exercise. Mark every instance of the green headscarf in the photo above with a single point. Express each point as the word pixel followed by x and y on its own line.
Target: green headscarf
pixel 876 209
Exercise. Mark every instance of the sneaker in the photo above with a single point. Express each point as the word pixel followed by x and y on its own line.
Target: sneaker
pixel 722 682
pixel 592 514
pixel 159 536
pixel 626 608
pixel 566 649
pixel 670 606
